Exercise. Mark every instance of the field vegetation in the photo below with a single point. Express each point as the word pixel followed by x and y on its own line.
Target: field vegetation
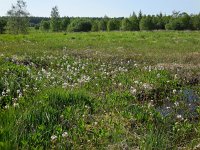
pixel 100 90
pixel 69 84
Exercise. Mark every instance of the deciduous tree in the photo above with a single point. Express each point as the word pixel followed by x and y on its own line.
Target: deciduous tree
pixel 55 19
pixel 18 21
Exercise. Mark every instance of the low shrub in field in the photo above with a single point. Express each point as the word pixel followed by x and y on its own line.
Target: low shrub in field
pixel 80 26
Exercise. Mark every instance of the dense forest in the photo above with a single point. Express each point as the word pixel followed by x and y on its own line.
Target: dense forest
pixel 136 22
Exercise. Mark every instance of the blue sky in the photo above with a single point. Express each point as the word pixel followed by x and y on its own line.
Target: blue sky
pixel 99 8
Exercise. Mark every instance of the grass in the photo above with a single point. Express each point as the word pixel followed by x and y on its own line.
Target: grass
pixel 105 90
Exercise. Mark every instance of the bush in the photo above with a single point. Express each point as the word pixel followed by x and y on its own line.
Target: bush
pixel 2 26
pixel 80 26
pixel 95 26
pixel 103 25
pixel 45 25
pixel 126 25
pixel 146 23
pixel 113 24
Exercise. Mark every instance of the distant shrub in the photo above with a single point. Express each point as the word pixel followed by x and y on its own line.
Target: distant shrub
pixel 95 26
pixel 37 27
pixel 2 26
pixel 80 26
pixel 126 25
pixel 113 24
pixel 45 25
pixel 102 25
pixel 179 22
pixel 146 23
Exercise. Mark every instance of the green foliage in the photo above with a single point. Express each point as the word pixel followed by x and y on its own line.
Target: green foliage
pixel 37 27
pixel 64 24
pixel 103 25
pixel 134 23
pixel 2 26
pixel 126 25
pixel 95 26
pixel 158 22
pixel 146 23
pixel 80 26
pixel 55 19
pixel 196 22
pixel 45 25
pixel 179 22
pixel 113 25
pixel 18 21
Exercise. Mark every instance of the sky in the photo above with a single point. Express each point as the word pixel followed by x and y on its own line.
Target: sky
pixel 100 8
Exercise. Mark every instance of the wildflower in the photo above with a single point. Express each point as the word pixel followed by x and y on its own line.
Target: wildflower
pixel 176 104
pixel 8 91
pixel 158 75
pixel 65 134
pixel 53 138
pixel 147 86
pixel 3 93
pixel 174 91
pixel 7 106
pixel 20 94
pixel 179 117
pixel 18 91
pixel 133 90
pixel 16 104
pixel 175 76
pixel 136 82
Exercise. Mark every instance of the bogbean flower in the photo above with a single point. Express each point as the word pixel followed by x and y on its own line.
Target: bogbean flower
pixel 176 104
pixel 65 134
pixel 133 90
pixel 179 117
pixel 8 91
pixel 175 76
pixel 53 138
pixel 147 86
pixel 3 93
pixel 174 91
pixel 7 107
pixel 158 75
pixel 16 104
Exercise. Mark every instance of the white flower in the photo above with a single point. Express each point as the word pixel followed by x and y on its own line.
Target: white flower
pixel 16 104
pixel 65 134
pixel 174 91
pixel 7 106
pixel 175 76
pixel 3 93
pixel 158 75
pixel 133 90
pixel 53 137
pixel 180 117
pixel 176 104
pixel 147 86
pixel 136 82
pixel 8 91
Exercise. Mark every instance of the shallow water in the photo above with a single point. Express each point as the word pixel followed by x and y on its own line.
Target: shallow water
pixel 186 107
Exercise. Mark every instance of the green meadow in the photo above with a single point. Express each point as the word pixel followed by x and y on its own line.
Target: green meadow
pixel 100 90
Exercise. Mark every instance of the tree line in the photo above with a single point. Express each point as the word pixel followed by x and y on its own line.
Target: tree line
pixel 18 21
